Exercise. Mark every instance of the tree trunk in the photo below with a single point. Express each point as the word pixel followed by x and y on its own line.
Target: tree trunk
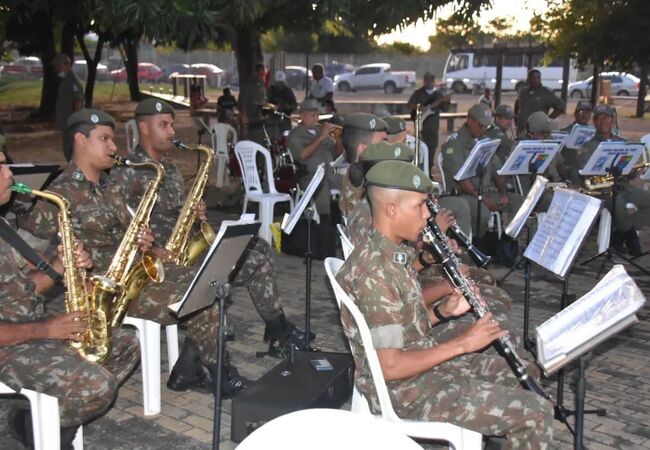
pixel 594 82
pixel 248 51
pixel 91 66
pixel 67 41
pixel 643 85
pixel 50 85
pixel 130 45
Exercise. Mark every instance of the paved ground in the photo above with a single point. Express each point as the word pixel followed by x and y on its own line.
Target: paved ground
pixel 617 375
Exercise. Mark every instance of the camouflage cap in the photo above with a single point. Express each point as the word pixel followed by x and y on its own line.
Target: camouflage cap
pixel 152 107
pixel 504 111
pixel 364 121
pixel 89 117
pixel 399 175
pixel 482 113
pixel 603 109
pixel 583 104
pixel 382 151
pixel 310 104
pixel 539 122
pixel 395 124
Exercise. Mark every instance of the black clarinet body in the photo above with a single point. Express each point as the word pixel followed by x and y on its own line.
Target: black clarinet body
pixel 463 240
pixel 437 241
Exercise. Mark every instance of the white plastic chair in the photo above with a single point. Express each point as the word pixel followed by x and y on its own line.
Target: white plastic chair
pixel 604 230
pixel 222 135
pixel 131 134
pixel 246 152
pixel 149 336
pixel 458 437
pixel 442 173
pixel 326 429
pixel 45 419
pixel 346 244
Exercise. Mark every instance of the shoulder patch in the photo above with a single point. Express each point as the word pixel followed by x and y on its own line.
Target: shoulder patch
pixel 399 258
pixel 449 151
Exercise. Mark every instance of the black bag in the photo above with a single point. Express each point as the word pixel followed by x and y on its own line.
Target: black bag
pixel 323 240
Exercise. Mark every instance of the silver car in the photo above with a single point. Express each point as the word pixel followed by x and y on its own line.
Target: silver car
pixel 623 84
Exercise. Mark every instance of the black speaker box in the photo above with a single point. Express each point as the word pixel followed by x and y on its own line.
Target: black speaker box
pixel 291 387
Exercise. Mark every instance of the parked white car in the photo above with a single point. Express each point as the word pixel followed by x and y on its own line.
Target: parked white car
pixel 375 76
pixel 623 84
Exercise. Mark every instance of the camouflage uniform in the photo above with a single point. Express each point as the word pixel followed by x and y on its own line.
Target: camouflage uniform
pixel 257 273
pixel 100 219
pixel 51 366
pixel 454 153
pixel 628 194
pixel 475 391
pixel 350 196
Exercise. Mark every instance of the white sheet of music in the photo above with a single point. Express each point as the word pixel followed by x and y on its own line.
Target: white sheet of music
pixel 538 154
pixel 622 155
pixel 519 220
pixel 579 135
pixel 605 310
pixel 561 233
pixel 482 152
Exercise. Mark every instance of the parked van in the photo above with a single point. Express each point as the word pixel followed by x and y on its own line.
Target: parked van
pixel 465 71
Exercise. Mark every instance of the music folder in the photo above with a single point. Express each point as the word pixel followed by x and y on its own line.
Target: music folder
pixel 219 264
pixel 530 154
pixel 619 154
pixel 481 153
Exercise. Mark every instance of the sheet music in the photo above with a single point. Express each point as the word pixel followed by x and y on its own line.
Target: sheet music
pixel 608 308
pixel 290 220
pixel 579 135
pixel 560 236
pixel 519 220
pixel 539 154
pixel 623 155
pixel 481 153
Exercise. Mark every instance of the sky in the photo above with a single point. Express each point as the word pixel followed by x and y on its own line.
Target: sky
pixel 520 10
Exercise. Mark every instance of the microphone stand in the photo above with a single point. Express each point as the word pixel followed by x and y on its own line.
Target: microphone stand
pixel 480 172
pixel 222 293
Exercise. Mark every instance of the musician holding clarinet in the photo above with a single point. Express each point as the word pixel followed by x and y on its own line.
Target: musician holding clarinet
pixel 429 379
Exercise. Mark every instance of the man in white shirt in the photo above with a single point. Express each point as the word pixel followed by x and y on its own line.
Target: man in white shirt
pixel 322 87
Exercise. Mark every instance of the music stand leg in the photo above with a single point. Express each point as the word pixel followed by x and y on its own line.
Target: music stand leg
pixel 222 292
pixel 479 200
pixel 528 342
pixel 309 213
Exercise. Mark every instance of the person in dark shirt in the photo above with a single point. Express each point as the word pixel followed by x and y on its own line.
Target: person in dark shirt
pixel 226 105
pixel 283 97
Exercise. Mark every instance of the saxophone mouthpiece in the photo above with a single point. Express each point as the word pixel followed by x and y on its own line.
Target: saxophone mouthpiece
pixel 20 188
pixel 120 160
pixel 179 144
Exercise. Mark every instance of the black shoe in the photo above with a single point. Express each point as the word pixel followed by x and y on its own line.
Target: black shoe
pixel 232 382
pixel 282 335
pixel 617 241
pixel 188 372
pixel 632 242
pixel 67 436
pixel 19 422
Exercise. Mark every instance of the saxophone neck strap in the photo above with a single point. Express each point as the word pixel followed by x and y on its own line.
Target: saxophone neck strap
pixel 12 238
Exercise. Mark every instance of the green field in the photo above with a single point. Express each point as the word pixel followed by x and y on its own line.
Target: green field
pixel 21 93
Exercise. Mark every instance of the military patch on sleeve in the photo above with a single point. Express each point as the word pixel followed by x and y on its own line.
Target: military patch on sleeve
pixel 399 258
pixel 449 151
pixel 78 175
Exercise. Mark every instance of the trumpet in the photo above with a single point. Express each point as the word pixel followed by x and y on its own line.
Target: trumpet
pixel 336 132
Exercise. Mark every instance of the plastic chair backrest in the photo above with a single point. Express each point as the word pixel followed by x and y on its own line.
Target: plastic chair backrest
pixel 132 135
pixel 424 153
pixel 345 241
pixel 442 173
pixel 220 134
pixel 246 152
pixel 332 266
pixel 646 141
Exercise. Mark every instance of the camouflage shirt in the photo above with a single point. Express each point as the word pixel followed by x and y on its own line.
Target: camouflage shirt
pixel 378 276
pixel 454 153
pixel 20 302
pixel 350 196
pixel 359 222
pixel 97 211
pixel 171 194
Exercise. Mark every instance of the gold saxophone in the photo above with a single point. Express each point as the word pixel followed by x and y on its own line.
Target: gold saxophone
pixel 96 344
pixel 184 251
pixel 602 182
pixel 121 269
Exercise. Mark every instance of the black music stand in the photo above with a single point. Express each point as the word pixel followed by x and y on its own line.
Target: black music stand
pixel 212 283
pixel 474 166
pixel 288 224
pixel 616 159
pixel 36 176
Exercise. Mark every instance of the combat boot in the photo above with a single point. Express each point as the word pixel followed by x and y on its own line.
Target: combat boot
pixel 632 242
pixel 617 239
pixel 19 422
pixel 232 382
pixel 188 372
pixel 282 334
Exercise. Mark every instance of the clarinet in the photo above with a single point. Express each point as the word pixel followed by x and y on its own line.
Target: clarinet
pixel 463 240
pixel 435 238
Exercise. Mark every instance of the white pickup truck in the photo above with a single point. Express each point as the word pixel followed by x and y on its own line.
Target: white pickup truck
pixel 375 76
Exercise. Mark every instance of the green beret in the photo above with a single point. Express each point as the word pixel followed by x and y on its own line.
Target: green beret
pixel 364 121
pixel 310 104
pixel 382 151
pixel 153 106
pixel 399 175
pixel 395 124
pixel 90 117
